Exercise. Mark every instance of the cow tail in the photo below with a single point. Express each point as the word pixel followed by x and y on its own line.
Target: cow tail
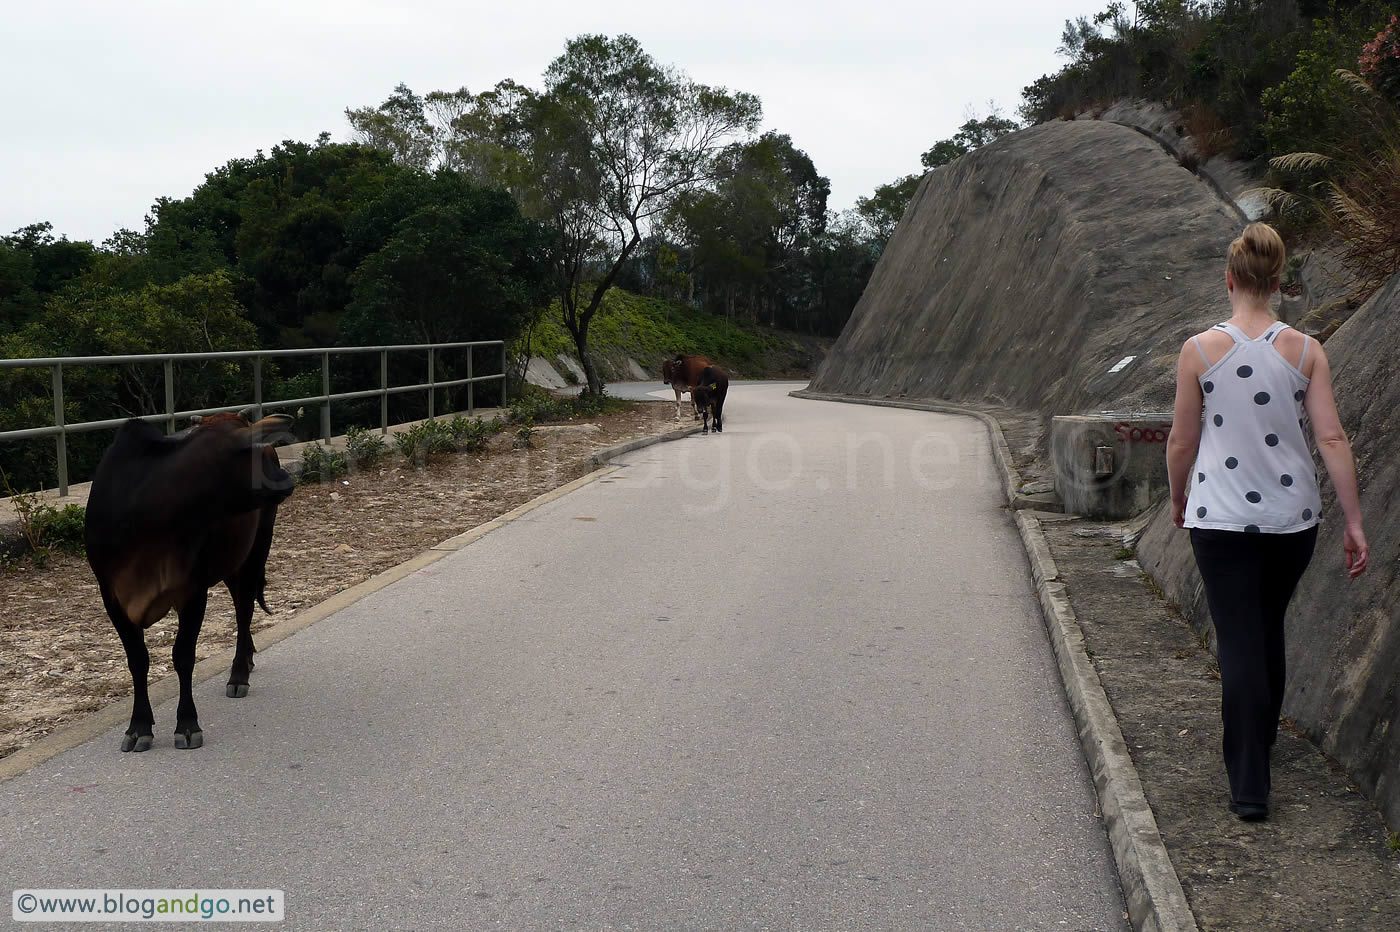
pixel 256 567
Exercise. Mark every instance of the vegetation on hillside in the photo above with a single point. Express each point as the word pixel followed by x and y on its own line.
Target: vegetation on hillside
pixel 1308 88
pixel 650 330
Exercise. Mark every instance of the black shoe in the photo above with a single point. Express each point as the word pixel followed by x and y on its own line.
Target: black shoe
pixel 1250 812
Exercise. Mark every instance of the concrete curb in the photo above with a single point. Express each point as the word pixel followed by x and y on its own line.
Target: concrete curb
pixel 118 712
pixel 608 454
pixel 1151 887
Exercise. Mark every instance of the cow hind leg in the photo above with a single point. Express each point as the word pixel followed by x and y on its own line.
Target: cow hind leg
pixel 138 736
pixel 187 731
pixel 243 599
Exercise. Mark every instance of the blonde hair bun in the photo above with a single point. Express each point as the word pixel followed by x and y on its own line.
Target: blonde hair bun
pixel 1256 259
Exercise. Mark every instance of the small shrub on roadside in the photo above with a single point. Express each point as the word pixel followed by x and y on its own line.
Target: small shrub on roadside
pixel 42 527
pixel 472 434
pixel 364 448
pixel 322 464
pixel 525 436
pixel 421 441
pixel 61 529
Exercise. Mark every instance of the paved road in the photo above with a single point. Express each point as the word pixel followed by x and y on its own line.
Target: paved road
pixel 788 677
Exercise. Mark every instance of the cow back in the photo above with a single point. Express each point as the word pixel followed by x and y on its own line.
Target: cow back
pixel 715 379
pixel 169 514
pixel 687 371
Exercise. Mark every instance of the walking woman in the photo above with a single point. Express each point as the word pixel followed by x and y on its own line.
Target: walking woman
pixel 1244 482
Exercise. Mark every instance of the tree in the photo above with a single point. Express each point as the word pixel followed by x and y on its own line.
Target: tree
pixel 35 265
pixel 749 232
pixel 609 145
pixel 881 212
pixel 446 261
pixel 276 222
pixel 400 126
pixel 973 134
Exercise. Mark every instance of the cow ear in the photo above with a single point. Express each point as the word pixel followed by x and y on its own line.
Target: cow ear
pixel 274 429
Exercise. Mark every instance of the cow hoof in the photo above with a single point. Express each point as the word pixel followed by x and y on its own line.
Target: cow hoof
pixel 190 741
pixel 136 743
pixel 236 690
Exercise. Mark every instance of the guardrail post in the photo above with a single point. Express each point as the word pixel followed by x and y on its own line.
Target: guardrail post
pixel 257 388
pixel 61 440
pixel 471 403
pixel 384 391
pixel 170 396
pixel 326 391
pixel 505 379
pixel 432 393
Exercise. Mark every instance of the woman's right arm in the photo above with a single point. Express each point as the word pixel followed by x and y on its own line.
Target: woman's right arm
pixel 1185 437
pixel 1332 444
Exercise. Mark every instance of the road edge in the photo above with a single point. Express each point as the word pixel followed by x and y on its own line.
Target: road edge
pixel 1151 888
pixel 118 711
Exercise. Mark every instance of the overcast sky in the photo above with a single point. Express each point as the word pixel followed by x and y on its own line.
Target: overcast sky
pixel 110 104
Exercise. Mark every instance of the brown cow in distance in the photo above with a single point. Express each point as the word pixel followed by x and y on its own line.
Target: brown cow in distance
pixel 683 373
pixel 170 517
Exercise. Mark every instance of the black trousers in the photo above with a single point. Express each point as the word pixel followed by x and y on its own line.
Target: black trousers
pixel 1249 579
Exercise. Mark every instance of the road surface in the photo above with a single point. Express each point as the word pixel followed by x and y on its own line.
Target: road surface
pixel 791 676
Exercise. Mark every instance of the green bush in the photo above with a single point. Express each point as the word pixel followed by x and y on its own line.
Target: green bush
pixel 470 435
pixel 364 448
pixel 322 464
pixel 61 529
pixel 421 441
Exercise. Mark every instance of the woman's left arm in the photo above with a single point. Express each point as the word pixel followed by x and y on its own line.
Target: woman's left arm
pixel 1185 436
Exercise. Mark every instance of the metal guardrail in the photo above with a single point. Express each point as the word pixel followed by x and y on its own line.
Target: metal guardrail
pixel 60 430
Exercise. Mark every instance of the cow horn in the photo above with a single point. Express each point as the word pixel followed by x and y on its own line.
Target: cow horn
pixel 248 413
pixel 196 418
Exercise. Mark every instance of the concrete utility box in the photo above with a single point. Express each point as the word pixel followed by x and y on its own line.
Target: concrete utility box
pixel 1110 465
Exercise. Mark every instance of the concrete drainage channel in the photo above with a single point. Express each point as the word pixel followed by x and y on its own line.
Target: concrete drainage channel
pixel 1151 888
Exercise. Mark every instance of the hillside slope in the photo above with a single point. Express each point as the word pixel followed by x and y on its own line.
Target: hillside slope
pixel 632 335
pixel 1023 272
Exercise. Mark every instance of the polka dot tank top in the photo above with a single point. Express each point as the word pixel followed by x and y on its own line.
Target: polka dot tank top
pixel 1254 469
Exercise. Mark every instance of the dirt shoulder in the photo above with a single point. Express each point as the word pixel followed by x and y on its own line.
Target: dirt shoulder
pixel 60 659
pixel 1321 861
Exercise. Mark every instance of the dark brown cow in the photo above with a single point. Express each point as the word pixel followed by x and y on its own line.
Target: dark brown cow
pixel 709 397
pixel 170 517
pixel 683 373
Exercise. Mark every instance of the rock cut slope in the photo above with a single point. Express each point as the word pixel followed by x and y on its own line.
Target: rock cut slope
pixel 1023 272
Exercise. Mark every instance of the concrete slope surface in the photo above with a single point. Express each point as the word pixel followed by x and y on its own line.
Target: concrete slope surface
pixel 789 676
pixel 1343 635
pixel 1024 273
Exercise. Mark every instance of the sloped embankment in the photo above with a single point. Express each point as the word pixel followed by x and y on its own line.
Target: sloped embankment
pixel 1343 635
pixel 1022 273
